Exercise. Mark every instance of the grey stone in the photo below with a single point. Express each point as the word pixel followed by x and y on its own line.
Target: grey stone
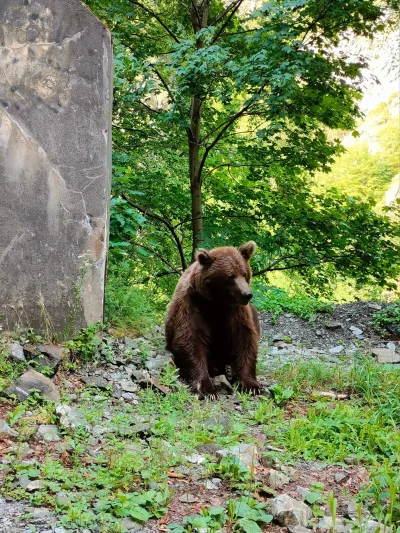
pixel 71 418
pixel 196 459
pixel 326 524
pixel 291 472
pixel 159 362
pixel 188 498
pixel 23 481
pixel 213 484
pixel 247 454
pixel 352 510
pixel 17 353
pixel 131 343
pixel 142 377
pixel 95 381
pixel 130 525
pixel 356 331
pixel 50 356
pixel 333 324
pixel 376 527
pixel 6 431
pixel 290 512
pixel 385 355
pixel 277 479
pixel 222 384
pixel 33 380
pixel 341 478
pixel 336 349
pixel 128 386
pixel 48 433
pixel 55 154
pixel 299 529
pixel 37 484
pixel 302 491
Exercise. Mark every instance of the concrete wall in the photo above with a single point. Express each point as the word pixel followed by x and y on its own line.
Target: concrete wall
pixel 55 164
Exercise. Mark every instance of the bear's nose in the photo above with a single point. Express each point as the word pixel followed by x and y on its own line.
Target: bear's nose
pixel 248 296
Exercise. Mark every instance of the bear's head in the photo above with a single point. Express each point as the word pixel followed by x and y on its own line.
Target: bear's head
pixel 224 274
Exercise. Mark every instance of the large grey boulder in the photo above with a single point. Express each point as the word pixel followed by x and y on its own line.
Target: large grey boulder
pixel 55 163
pixel 33 380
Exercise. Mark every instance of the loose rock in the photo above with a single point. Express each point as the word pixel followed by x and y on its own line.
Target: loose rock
pixel 246 453
pixel 6 431
pixel 33 380
pixel 326 524
pixel 213 484
pixel 17 353
pixel 50 356
pixel 222 385
pixel 290 512
pixel 71 418
pixel 336 349
pixel 96 381
pixel 48 433
pixel 188 498
pixel 277 480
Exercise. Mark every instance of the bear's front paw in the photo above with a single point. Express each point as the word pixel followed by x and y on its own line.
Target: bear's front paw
pixel 251 386
pixel 205 389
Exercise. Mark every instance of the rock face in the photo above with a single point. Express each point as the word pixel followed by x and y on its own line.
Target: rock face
pixel 55 163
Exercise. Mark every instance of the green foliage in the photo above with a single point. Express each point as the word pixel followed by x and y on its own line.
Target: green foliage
pixel 382 494
pixel 129 306
pixel 280 394
pixel 277 301
pixel 9 370
pixel 86 343
pixel 269 89
pixel 388 319
pixel 245 515
pixel 362 173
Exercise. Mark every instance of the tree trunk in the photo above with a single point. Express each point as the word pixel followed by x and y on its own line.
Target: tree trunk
pixel 199 21
pixel 195 178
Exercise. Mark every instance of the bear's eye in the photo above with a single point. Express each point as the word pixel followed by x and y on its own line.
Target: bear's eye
pixel 232 276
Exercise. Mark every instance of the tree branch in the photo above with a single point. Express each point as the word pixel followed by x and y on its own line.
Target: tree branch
pixel 227 125
pixel 161 257
pixel 159 275
pixel 225 12
pixel 160 77
pixel 227 21
pixel 166 223
pixel 289 267
pixel 157 17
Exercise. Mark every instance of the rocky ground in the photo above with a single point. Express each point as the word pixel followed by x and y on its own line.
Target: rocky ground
pixel 120 425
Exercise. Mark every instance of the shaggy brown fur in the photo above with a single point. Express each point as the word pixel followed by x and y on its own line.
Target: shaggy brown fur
pixel 209 323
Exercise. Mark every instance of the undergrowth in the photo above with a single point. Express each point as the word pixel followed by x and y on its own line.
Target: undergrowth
pixel 128 306
pixel 277 301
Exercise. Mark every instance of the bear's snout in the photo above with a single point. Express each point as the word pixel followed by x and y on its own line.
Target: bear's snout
pixel 243 293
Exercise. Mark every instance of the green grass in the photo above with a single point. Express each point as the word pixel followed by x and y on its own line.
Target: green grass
pixel 277 301
pixel 130 307
pixel 95 486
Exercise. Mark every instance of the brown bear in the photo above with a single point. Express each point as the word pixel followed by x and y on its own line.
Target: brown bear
pixel 210 324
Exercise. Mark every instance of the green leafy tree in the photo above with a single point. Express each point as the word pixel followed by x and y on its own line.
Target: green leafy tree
pixel 221 117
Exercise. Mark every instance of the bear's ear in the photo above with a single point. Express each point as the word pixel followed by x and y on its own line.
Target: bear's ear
pixel 203 257
pixel 248 249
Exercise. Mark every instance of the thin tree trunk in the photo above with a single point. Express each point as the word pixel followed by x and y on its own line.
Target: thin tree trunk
pixel 195 178
pixel 199 21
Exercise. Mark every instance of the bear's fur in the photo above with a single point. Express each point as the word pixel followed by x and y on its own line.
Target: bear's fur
pixel 209 324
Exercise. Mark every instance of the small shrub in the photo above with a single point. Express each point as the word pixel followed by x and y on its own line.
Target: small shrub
pixel 388 319
pixel 129 306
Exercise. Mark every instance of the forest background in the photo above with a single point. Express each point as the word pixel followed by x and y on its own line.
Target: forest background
pixel 230 120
